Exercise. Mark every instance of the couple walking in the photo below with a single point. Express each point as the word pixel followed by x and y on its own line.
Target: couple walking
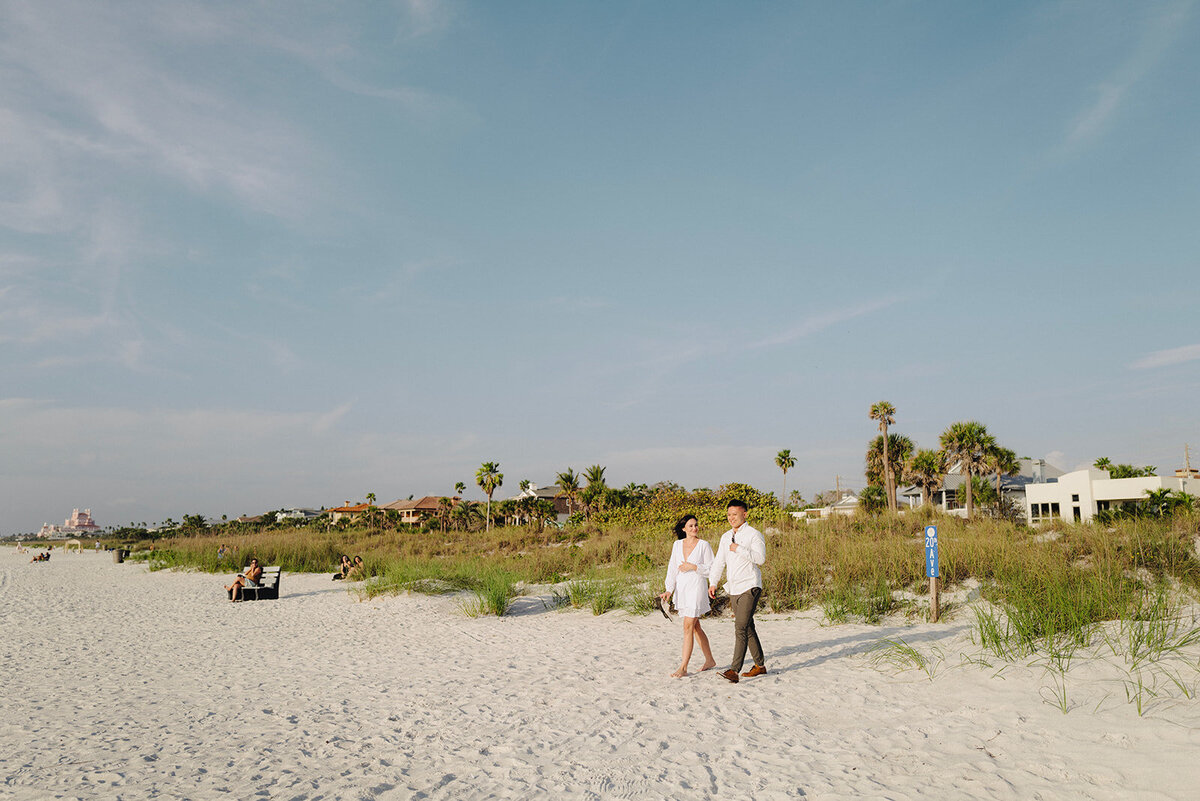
pixel 692 577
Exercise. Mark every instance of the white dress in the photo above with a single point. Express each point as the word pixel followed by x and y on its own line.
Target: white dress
pixel 690 586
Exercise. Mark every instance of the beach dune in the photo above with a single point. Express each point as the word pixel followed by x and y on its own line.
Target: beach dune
pixel 122 683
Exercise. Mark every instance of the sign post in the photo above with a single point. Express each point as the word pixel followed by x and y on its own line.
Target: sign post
pixel 931 570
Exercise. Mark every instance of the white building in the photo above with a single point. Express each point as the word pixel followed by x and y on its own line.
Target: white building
pixel 848 505
pixel 951 497
pixel 1078 496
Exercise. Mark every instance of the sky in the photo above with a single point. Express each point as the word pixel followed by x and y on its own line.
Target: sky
pixel 257 255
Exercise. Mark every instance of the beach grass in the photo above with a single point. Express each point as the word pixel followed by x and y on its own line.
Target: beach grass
pixel 1046 586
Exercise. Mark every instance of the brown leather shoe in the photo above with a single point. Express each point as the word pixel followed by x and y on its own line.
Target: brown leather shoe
pixel 757 670
pixel 730 674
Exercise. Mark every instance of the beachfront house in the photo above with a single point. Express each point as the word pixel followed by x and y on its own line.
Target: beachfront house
pixel 552 493
pixel 413 512
pixel 950 497
pixel 1080 495
pixel 348 511
pixel 847 505
pixel 297 516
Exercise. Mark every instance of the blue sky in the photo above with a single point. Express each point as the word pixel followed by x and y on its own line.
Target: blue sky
pixel 257 255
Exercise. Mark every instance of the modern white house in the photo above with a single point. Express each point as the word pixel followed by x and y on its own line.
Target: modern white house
pixel 951 497
pixel 1078 496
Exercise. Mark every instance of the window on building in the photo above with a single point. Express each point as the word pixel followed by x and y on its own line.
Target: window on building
pixel 1043 512
pixel 1074 499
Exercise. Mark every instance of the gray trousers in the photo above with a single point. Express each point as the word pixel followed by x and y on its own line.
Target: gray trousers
pixel 743 627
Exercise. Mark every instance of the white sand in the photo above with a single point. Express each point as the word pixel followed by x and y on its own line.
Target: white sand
pixel 124 684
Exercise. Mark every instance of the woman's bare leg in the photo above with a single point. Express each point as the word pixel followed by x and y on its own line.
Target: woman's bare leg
pixel 689 627
pixel 709 662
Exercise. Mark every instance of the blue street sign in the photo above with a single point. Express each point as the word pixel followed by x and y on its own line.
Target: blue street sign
pixel 931 552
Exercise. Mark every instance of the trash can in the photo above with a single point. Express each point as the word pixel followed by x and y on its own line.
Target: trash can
pixel 118 556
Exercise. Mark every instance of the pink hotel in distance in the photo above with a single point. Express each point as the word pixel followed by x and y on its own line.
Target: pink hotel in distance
pixel 78 523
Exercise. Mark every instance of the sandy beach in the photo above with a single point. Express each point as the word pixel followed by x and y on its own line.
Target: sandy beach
pixel 119 683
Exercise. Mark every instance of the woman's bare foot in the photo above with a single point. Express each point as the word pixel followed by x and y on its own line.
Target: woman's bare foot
pixel 708 666
pixel 679 674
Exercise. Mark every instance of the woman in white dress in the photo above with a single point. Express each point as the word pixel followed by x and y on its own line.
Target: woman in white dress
pixel 687 578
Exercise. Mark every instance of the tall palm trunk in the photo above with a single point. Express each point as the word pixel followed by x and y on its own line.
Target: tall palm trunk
pixel 887 473
pixel 970 496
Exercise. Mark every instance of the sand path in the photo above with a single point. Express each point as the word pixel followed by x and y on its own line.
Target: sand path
pixel 119 683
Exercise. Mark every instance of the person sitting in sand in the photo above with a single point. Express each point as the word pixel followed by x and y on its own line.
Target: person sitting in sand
pixel 343 568
pixel 687 578
pixel 357 571
pixel 248 579
pixel 221 552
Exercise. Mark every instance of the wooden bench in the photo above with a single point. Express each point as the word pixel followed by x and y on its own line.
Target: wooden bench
pixel 268 585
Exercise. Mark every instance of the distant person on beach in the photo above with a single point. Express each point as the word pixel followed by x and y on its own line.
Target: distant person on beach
pixel 221 552
pixel 343 568
pixel 357 571
pixel 248 579
pixel 743 550
pixel 687 578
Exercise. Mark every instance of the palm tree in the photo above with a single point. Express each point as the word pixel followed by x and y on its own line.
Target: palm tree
pixel 925 470
pixel 459 488
pixel 967 443
pixel 489 478
pixel 466 514
pixel 785 462
pixel 1159 502
pixel 524 485
pixel 568 486
pixel 885 413
pixel 898 449
pixel 369 515
pixel 870 500
pixel 594 475
pixel 594 494
pixel 1103 463
pixel 1003 462
pixel 444 508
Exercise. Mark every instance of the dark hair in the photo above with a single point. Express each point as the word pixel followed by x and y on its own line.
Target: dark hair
pixel 738 502
pixel 357 558
pixel 681 523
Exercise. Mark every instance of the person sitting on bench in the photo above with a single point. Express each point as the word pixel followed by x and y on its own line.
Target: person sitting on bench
pixel 248 579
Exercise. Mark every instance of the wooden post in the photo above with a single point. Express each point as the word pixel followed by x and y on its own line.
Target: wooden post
pixel 933 600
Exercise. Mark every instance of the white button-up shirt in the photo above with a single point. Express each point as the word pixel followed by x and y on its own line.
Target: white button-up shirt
pixel 743 563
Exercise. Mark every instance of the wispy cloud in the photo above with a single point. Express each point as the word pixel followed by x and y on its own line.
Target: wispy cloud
pixel 819 322
pixel 1158 36
pixel 86 93
pixel 1165 358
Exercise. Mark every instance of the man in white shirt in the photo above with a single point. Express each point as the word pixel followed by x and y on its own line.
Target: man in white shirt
pixel 743 550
